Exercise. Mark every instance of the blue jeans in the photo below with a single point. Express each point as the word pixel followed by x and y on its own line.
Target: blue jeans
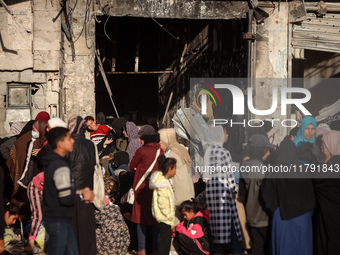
pixel 141 233
pixel 61 239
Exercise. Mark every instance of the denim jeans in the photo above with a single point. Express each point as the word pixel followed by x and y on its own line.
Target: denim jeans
pixel 61 239
pixel 141 233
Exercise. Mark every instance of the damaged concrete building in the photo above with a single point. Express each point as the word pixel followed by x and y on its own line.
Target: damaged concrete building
pixel 126 57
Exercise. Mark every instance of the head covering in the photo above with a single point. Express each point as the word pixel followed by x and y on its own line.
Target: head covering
pixel 40 125
pixel 258 140
pixel 26 128
pixel 215 136
pixel 287 153
pixel 134 144
pixel 256 130
pixel 15 128
pixel 145 130
pixel 299 138
pixel 321 129
pixel 169 140
pixel 56 122
pixel 100 118
pixel 121 158
pixel 42 116
pixel 74 123
pixel 118 125
pixel 332 141
pixel 294 131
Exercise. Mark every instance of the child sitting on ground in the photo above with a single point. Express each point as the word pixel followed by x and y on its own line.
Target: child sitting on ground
pixel 163 207
pixel 12 213
pixel 193 234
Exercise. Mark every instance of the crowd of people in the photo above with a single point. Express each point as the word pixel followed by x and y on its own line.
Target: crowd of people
pixel 96 188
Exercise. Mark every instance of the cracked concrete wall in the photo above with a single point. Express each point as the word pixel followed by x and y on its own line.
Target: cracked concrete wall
pixel 271 62
pixel 29 54
pixel 78 86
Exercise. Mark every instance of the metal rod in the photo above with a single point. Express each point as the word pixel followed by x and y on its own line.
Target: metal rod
pixel 167 107
pixel 101 68
pixel 146 72
pixel 6 7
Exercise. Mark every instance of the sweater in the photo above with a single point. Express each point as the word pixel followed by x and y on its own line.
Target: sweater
pixel 163 207
pixel 59 195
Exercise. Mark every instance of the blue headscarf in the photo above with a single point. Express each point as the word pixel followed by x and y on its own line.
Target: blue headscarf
pixel 299 138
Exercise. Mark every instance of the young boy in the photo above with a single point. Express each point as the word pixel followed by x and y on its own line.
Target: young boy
pixel 60 195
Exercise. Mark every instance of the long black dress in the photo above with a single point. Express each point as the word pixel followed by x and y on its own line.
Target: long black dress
pixel 327 214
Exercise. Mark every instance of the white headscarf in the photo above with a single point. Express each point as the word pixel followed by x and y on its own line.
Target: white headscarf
pixel 56 122
pixel 215 136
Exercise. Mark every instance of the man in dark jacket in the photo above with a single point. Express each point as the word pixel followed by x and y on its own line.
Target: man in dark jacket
pixel 82 162
pixel 60 195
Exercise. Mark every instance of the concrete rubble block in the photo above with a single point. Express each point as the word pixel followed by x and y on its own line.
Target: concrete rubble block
pixel 16 60
pixel 32 77
pixel 46 60
pixel 43 20
pixel 13 115
pixel 46 40
pixel 8 77
pixel 40 91
pixel 38 102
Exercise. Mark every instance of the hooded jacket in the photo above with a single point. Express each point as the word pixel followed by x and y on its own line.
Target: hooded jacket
pixel 82 161
pixel 59 191
pixel 194 236
pixel 163 207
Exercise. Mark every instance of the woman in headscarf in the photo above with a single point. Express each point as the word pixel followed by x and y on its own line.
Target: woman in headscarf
pixel 134 144
pixel 37 143
pixel 140 163
pixel 327 227
pixel 220 192
pixel 292 201
pixel 182 182
pixel 15 155
pixel 119 128
pixel 36 187
pixel 304 139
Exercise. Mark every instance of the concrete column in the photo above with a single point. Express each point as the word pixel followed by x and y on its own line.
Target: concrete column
pixel 271 61
pixel 77 91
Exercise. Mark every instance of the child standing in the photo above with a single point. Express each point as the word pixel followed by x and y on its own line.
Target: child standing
pixel 193 234
pixel 60 195
pixel 163 207
pixel 34 193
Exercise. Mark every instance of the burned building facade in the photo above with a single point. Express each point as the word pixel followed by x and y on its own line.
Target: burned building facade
pixel 135 58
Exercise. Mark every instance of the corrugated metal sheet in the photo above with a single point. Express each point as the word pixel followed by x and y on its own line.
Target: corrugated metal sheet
pixel 318 33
